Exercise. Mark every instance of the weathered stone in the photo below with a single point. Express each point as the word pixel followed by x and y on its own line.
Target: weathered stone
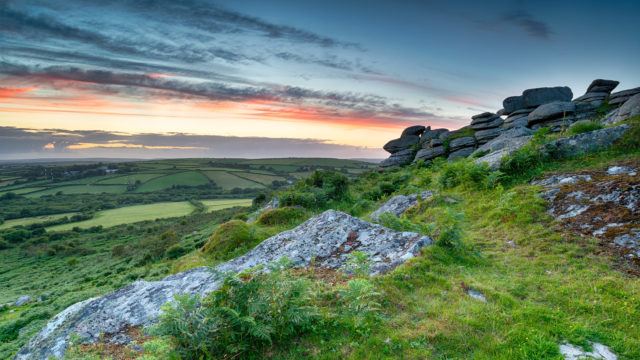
pixel 436 142
pixel 601 85
pixel 402 143
pixel 461 142
pixel 429 135
pixel 461 153
pixel 326 239
pixel 400 158
pixel 551 111
pixel 502 146
pixel 500 112
pixel 526 111
pixel 629 109
pixel 512 103
pixel 599 352
pixel 620 97
pixel 22 300
pixel 485 116
pixel 539 96
pixel 493 123
pixel 430 153
pixel 413 130
pixel 399 204
pixel 483 136
pixel 592 96
pixel 586 142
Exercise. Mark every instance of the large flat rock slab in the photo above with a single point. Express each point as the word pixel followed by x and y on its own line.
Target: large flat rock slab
pixel 326 239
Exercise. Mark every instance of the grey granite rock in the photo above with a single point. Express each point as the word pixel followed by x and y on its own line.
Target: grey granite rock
pixel 539 96
pixel 399 158
pixel 512 103
pixel 430 153
pixel 494 122
pixel 629 109
pixel 461 153
pixel 401 144
pixel 413 130
pixel 586 142
pixel 482 136
pixel 430 135
pixel 462 142
pixel 399 204
pixel 22 300
pixel 620 97
pixel 601 85
pixel 551 111
pixel 327 239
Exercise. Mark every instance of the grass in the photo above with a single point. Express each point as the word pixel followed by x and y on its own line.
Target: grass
pixel 130 214
pixel 214 205
pixel 33 220
pixel 80 189
pixel 263 179
pixel 127 179
pixel 228 180
pixel 187 178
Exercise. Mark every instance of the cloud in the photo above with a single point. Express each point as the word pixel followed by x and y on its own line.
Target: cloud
pixel 21 143
pixel 332 104
pixel 527 22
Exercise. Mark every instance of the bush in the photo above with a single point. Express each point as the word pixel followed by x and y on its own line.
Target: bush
pixel 466 173
pixel 450 231
pixel 282 216
pixel 230 238
pixel 156 246
pixel 175 251
pixel 631 139
pixel 245 316
pixel 16 236
pixel 583 126
pixel 3 244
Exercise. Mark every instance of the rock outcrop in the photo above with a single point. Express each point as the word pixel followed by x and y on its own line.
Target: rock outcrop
pixel 326 239
pixel 586 142
pixel 548 107
pixel 604 204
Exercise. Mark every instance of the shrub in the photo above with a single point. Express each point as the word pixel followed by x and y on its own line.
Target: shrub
pixel 120 250
pixel 359 304
pixel 584 126
pixel 450 231
pixel 246 315
pixel 631 139
pixel 466 173
pixel 334 184
pixel 3 244
pixel 175 251
pixel 229 239
pixel 156 246
pixel 282 216
pixel 18 235
pixel 307 199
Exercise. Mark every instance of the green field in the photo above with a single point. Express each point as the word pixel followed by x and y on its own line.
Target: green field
pixel 32 220
pixel 132 214
pixel 80 189
pixel 214 205
pixel 187 178
pixel 128 179
pixel 228 180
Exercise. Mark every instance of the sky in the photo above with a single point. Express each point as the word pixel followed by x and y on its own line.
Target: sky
pixel 255 78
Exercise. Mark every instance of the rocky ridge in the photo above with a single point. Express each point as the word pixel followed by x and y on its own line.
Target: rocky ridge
pixel 491 136
pixel 326 240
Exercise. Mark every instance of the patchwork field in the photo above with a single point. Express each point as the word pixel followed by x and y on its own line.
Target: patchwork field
pixel 132 214
pixel 33 220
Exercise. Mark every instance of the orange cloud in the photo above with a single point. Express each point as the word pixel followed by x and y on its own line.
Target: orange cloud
pixel 8 92
pixel 116 145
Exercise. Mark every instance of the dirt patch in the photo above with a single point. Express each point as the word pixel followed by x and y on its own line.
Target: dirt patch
pixel 113 346
pixel 600 203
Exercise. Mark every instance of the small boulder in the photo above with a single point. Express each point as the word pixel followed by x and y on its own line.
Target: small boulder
pixel 22 300
pixel 413 130
pixel 551 111
pixel 399 204
pixel 539 96
pixel 402 143
pixel 429 135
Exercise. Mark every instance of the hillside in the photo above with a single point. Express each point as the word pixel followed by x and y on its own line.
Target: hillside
pixel 447 256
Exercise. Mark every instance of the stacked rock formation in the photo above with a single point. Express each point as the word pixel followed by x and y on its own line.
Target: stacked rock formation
pixel 403 149
pixel 490 136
